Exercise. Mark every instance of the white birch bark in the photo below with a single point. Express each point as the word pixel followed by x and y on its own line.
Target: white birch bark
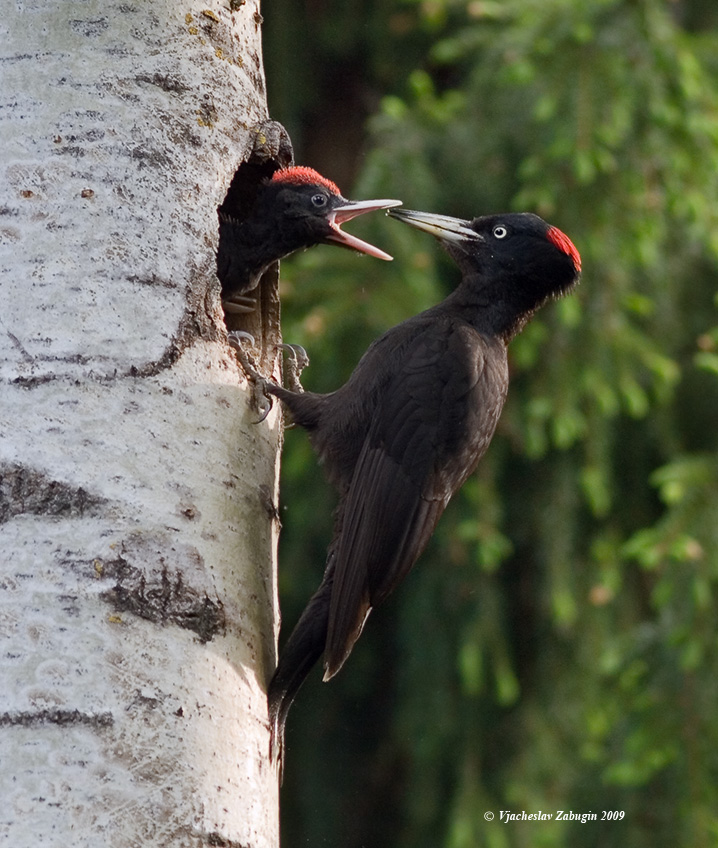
pixel 137 528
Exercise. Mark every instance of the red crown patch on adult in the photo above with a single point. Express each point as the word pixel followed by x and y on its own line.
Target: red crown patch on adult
pixel 304 176
pixel 564 243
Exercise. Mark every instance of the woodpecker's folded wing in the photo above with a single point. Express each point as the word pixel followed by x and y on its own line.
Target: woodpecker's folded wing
pixel 416 454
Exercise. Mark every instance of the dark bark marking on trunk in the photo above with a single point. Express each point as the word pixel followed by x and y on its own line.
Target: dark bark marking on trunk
pixel 24 491
pixel 63 718
pixel 160 593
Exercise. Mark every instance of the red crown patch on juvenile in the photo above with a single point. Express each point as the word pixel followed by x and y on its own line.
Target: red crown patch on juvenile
pixel 564 243
pixel 304 176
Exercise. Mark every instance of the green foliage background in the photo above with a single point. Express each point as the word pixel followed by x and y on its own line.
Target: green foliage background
pixel 555 648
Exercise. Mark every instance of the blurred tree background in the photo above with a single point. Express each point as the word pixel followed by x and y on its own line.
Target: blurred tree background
pixel 555 648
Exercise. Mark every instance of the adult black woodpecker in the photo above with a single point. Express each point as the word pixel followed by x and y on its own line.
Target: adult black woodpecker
pixel 401 436
pixel 294 209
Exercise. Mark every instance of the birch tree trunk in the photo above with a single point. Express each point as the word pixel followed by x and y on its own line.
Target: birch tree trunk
pixel 137 523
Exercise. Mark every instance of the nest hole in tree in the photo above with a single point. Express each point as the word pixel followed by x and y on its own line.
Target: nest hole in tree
pixel 263 321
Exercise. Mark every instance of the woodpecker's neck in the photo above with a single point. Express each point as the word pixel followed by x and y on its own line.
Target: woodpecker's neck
pixel 251 250
pixel 497 308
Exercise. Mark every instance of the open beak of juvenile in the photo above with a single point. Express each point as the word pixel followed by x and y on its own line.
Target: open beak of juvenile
pixel 348 210
pixel 440 226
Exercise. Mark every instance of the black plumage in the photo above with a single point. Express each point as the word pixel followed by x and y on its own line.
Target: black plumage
pixel 296 208
pixel 411 424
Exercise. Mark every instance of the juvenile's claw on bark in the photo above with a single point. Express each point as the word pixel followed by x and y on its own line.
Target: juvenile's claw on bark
pixel 261 400
pixel 271 143
pixel 237 336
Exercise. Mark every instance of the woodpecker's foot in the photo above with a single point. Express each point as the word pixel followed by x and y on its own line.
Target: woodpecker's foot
pixel 235 338
pixel 271 143
pixel 296 361
pixel 239 305
pixel 261 399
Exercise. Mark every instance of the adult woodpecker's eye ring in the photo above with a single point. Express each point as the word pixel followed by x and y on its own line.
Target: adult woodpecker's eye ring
pixel 319 200
pixel 500 232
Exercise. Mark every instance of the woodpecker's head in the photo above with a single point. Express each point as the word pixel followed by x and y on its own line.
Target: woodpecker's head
pixel 295 209
pixel 518 249
pixel 308 209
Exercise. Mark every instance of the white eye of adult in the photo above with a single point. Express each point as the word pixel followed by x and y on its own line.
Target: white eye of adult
pixel 500 232
pixel 319 200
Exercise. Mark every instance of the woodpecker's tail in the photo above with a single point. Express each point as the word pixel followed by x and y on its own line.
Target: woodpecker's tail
pixel 303 649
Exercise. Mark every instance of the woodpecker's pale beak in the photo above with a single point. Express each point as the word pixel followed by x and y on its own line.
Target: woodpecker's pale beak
pixel 440 226
pixel 348 210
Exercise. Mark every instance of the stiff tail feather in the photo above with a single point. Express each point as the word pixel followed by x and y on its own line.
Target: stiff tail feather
pixel 302 650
